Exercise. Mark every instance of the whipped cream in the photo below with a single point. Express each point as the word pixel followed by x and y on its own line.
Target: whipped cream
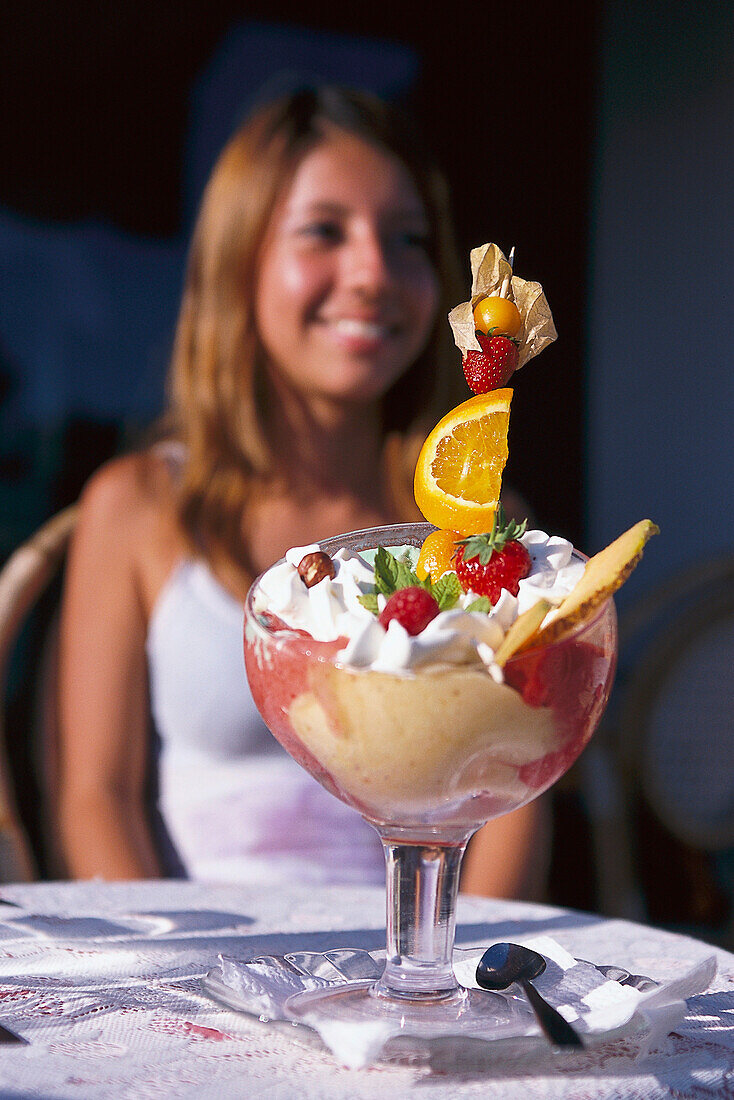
pixel 331 608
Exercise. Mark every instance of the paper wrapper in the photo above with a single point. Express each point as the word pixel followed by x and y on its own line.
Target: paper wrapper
pixel 490 270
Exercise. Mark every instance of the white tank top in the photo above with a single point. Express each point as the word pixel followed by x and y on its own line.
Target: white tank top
pixel 235 806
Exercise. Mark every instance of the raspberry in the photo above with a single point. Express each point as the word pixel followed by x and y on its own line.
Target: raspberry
pixel 413 607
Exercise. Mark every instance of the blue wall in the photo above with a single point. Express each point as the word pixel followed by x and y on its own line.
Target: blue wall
pixel 660 435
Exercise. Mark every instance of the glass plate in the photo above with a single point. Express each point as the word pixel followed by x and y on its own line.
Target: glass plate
pixel 282 986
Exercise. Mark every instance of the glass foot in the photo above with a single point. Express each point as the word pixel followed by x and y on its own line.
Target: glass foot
pixel 352 1015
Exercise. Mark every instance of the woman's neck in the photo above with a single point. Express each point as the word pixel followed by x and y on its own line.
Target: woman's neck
pixel 326 447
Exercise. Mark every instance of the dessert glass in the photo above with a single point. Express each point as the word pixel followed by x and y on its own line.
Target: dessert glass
pixel 427 757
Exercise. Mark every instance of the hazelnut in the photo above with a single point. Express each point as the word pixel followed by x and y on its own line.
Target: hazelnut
pixel 314 567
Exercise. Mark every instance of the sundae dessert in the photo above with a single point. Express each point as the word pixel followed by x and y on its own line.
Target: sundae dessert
pixel 436 675
pixel 401 696
pixel 438 678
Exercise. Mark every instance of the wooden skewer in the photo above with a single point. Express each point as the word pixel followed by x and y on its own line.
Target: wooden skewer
pixel 505 288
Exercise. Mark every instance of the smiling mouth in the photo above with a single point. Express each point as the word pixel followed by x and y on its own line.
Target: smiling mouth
pixel 364 330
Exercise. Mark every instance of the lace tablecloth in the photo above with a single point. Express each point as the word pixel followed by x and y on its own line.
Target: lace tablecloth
pixel 104 982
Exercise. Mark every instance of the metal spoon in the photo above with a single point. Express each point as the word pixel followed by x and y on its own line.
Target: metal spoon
pixel 503 964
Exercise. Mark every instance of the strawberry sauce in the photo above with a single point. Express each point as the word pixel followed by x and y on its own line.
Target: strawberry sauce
pixel 573 678
pixel 283 676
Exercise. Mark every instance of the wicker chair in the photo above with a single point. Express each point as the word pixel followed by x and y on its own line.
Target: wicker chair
pixel 659 778
pixel 23 579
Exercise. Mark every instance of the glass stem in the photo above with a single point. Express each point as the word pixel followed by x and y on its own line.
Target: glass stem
pixel 422 886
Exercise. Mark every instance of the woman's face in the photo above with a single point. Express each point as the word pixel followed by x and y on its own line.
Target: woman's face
pixel 346 293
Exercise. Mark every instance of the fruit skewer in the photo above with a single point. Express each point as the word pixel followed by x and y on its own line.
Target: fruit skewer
pixel 459 470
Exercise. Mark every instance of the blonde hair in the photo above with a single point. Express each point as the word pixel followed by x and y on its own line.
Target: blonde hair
pixel 217 379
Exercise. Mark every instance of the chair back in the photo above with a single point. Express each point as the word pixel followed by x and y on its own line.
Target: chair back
pixel 24 577
pixel 660 779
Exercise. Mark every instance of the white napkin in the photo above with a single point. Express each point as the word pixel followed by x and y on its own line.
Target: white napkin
pixel 593 1003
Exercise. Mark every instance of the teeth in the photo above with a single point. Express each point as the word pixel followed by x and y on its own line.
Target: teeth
pixel 369 329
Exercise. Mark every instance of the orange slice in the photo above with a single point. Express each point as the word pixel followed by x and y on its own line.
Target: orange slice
pixel 436 554
pixel 459 470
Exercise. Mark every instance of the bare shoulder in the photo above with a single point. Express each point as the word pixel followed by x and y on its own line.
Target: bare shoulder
pixel 129 490
pixel 128 518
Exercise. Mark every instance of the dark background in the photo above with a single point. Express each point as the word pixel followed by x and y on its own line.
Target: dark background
pixel 96 108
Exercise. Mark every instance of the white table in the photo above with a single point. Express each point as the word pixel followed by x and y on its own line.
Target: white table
pixel 103 979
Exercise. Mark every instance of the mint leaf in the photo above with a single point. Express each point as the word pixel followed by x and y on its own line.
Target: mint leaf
pixel 386 572
pixel 392 573
pixel 482 603
pixel 406 578
pixel 446 591
pixel 369 600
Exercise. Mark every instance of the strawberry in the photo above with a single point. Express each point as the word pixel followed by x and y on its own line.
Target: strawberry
pixel 413 607
pixel 491 367
pixel 488 563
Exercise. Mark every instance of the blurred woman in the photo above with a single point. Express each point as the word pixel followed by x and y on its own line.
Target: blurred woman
pixel 312 355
